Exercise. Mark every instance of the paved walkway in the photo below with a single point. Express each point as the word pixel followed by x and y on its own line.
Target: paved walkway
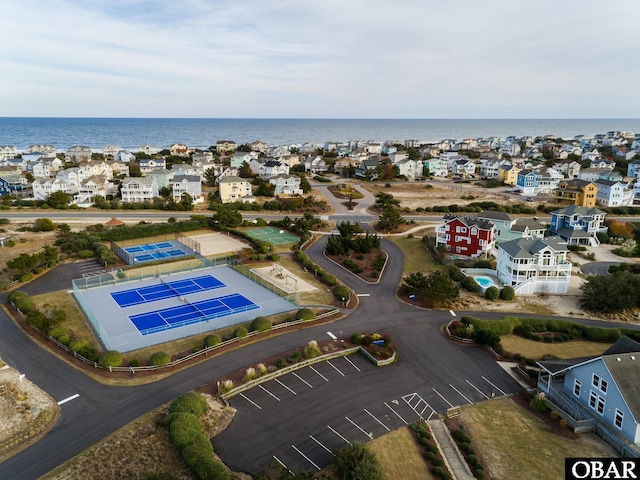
pixel 453 459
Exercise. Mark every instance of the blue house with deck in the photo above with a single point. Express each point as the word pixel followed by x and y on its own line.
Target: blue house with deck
pixel 600 393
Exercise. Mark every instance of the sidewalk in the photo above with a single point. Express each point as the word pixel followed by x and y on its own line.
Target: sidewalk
pixel 453 459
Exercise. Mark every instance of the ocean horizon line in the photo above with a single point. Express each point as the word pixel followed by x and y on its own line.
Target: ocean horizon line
pixel 326 118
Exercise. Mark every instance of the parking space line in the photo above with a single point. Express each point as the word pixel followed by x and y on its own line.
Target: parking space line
pixel 283 465
pixel 335 368
pixel 478 390
pixel 370 435
pixel 302 380
pixel 333 337
pixel 460 393
pixel 437 393
pixel 348 442
pixel 318 442
pixel 325 378
pixel 376 419
pixel 307 458
pixel 494 386
pixel 285 386
pixel 251 401
pixel 397 414
pixel 409 398
pixel 353 364
pixel 264 389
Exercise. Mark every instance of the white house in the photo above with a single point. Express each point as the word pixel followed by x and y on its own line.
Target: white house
pixel 613 193
pixel 315 164
pixel 138 189
pixel 463 167
pixel 534 265
pixel 48 150
pixel 190 184
pixel 272 168
pixel 41 169
pixel 148 149
pixel 7 151
pixel 110 150
pixel 286 185
pixel 410 168
pixel 78 154
pixel 148 164
pixel 43 187
pixel 124 156
pixel 90 187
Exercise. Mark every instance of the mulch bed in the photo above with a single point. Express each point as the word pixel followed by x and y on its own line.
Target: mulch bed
pixel 79 364
pixel 366 263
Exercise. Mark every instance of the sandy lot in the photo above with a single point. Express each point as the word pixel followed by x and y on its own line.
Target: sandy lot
pixel 218 243
pixel 432 193
pixel 283 279
pixel 26 412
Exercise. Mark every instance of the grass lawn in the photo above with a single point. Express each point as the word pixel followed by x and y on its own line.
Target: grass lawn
pixel 516 444
pixel 535 350
pixel 416 257
pixel 399 456
pixel 75 321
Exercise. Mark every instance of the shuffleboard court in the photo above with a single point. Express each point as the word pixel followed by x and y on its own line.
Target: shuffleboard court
pixel 135 296
pixel 275 236
pixel 173 317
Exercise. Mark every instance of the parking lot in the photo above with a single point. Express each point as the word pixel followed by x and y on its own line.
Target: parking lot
pixel 300 418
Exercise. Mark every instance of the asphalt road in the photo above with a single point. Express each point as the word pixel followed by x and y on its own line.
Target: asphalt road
pixel 597 268
pixel 427 362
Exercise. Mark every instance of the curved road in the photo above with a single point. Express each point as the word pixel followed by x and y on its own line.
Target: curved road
pixel 101 409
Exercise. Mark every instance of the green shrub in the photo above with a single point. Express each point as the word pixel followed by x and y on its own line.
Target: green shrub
pixel 64 339
pixel 190 402
pixel 281 362
pixel 356 338
pixel 547 339
pixel 56 332
pixel 464 446
pixel 507 293
pixel 328 279
pixel 437 462
pixel 240 332
pixel 482 264
pixel 429 455
pixel 212 340
pixel 437 471
pixel 538 404
pixel 455 273
pixel 134 362
pixel 211 469
pixel 295 356
pixel 341 292
pixel 472 460
pixel 159 359
pixel 485 337
pixel 261 324
pixel 26 277
pixel 479 474
pixel 423 441
pixel 24 304
pixel 492 293
pixel 110 358
pixel 470 284
pixel 305 314
pixel 432 448
pixel 77 344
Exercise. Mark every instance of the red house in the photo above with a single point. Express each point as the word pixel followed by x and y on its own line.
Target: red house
pixel 466 236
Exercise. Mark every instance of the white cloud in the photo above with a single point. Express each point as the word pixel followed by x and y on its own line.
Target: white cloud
pixel 374 58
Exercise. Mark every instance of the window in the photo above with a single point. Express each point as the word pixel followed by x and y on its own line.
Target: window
pixel 595 381
pixel 618 419
pixel 603 386
pixel 576 387
pixel 599 383
pixel 592 400
pixel 600 407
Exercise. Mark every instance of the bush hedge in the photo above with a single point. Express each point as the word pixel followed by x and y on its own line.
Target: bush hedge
pixel 190 402
pixel 470 284
pixel 492 293
pixel 507 293
pixel 78 344
pixel 341 292
pixel 240 332
pixel 305 314
pixel 261 324
pixel 159 359
pixel 110 358
pixel 212 340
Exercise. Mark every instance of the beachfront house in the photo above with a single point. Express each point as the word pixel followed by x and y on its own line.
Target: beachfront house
pixel 179 150
pixel 110 151
pixel 598 393
pixel 235 189
pixel 48 150
pixel 138 189
pixel 465 236
pixel 78 154
pixel 148 149
pixel 7 152
pixel 534 265
pixel 224 146
pixel 577 225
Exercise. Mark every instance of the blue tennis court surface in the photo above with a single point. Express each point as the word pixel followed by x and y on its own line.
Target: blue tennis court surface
pixel 135 296
pixel 146 257
pixel 173 317
pixel 147 247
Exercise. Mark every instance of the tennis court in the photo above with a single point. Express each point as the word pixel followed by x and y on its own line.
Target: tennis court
pixel 151 293
pixel 274 236
pixel 128 314
pixel 147 247
pixel 150 252
pixel 173 317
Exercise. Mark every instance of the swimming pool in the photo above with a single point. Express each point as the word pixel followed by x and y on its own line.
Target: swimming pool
pixel 484 282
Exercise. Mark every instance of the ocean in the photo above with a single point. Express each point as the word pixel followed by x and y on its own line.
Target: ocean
pixel 130 133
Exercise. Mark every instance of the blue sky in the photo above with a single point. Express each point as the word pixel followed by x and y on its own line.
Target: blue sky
pixel 328 59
